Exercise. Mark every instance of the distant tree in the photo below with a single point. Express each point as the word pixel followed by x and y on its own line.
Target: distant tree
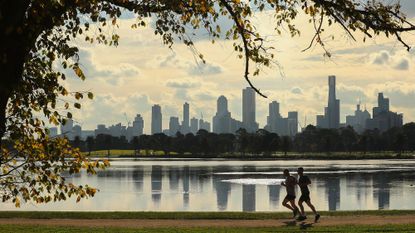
pixel 136 145
pixel 90 142
pixel 37 44
pixel 77 142
pixel 285 144
pixel 108 144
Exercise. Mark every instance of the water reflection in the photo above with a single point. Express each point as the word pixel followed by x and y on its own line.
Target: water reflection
pixel 197 187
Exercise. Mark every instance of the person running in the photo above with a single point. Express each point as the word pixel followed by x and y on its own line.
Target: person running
pixel 289 200
pixel 304 182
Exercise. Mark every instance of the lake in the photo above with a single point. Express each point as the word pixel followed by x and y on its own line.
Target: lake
pixel 222 185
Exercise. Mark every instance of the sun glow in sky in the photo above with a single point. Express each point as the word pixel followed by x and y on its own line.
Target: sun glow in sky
pixel 141 72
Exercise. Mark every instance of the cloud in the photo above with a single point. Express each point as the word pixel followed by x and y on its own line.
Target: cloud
pixel 397 61
pixel 182 84
pixel 297 90
pixel 114 74
pixel 205 69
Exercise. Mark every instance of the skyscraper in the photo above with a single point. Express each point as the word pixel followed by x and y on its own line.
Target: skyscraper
pixel 194 125
pixel 331 117
pixel 185 124
pixel 383 118
pixel 222 119
pixel 174 126
pixel 156 119
pixel 248 110
pixel 138 125
pixel 67 128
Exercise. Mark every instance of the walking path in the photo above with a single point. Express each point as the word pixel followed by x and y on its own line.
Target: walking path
pixel 161 223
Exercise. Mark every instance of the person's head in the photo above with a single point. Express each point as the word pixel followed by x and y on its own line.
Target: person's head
pixel 286 173
pixel 300 171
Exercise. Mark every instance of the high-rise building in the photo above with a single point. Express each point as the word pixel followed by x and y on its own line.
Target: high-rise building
pixel 222 119
pixel 358 120
pixel 137 129
pixel 156 119
pixel 331 117
pixel 77 131
pixel 204 125
pixel 248 110
pixel 101 129
pixel 273 117
pixel 383 118
pixel 53 131
pixel 194 125
pixel 174 126
pixel 185 124
pixel 138 125
pixel 66 129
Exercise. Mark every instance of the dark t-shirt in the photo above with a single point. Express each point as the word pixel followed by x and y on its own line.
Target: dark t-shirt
pixel 302 182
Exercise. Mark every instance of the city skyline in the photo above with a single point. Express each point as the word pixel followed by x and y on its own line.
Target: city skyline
pixel 223 122
pixel 124 82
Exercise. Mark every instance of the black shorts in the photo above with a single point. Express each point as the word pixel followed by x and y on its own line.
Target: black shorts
pixel 304 197
pixel 289 197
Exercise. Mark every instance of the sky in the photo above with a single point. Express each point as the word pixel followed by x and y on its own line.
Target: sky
pixel 128 79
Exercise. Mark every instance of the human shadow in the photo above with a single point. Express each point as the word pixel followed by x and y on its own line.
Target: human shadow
pixel 290 223
pixel 302 225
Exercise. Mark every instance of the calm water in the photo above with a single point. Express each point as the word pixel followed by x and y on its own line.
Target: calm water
pixel 242 186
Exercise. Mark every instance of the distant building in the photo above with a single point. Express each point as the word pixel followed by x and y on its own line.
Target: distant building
pixel 174 126
pixel 194 125
pixel 248 110
pixel 53 131
pixel 222 118
pixel 156 119
pixel 66 129
pixel 358 120
pixel 204 125
pixel 101 129
pixel 331 117
pixel 117 130
pixel 282 126
pixel 87 133
pixel 383 118
pixel 77 131
pixel 138 125
pixel 185 128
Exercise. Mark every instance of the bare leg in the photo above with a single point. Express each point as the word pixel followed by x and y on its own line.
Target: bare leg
pixel 292 202
pixel 300 203
pixel 311 206
pixel 285 203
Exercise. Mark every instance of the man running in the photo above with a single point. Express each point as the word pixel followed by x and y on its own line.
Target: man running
pixel 290 182
pixel 303 182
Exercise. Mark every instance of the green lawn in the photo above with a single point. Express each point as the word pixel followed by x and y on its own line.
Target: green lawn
pixel 352 229
pixel 185 215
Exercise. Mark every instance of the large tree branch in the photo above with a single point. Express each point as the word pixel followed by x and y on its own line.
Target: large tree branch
pixel 242 31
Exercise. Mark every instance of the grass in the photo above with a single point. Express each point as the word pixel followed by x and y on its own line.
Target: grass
pixel 184 215
pixel 275 155
pixel 351 229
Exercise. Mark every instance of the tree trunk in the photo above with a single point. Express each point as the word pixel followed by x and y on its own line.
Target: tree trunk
pixel 4 98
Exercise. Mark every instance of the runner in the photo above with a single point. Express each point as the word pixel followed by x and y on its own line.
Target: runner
pixel 303 182
pixel 290 182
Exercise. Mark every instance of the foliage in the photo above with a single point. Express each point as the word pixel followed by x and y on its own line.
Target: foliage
pixel 36 51
pixel 312 139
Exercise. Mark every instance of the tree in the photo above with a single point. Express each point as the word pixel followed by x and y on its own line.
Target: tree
pixel 36 45
pixel 90 142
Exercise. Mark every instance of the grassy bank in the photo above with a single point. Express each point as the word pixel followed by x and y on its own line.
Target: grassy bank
pixel 185 215
pixel 271 156
pixel 352 229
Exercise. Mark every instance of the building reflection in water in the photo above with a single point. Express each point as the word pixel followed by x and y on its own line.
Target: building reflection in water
pixel 274 195
pixel 186 186
pixel 333 192
pixel 223 190
pixel 248 197
pixel 381 191
pixel 156 183
pixel 174 177
pixel 138 178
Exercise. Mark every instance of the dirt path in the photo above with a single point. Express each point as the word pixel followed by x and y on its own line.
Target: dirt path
pixel 146 223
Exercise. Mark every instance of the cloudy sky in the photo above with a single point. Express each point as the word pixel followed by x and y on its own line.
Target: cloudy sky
pixel 141 72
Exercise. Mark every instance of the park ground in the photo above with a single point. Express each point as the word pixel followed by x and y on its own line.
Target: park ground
pixel 344 221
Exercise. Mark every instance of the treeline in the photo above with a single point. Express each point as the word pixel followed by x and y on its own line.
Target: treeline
pixel 311 139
